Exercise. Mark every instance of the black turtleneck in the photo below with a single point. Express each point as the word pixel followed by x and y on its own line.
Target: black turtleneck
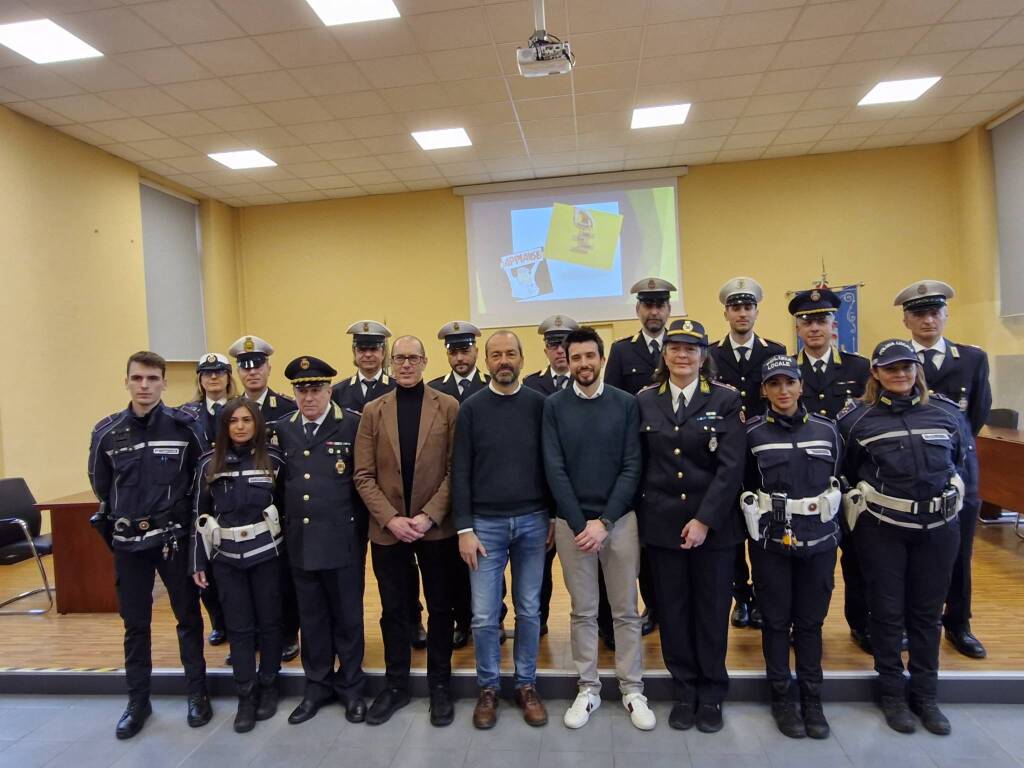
pixel 788 422
pixel 410 404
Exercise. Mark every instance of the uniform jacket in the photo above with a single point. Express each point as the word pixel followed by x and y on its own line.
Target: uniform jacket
pixel 843 381
pixel 448 385
pixel 963 378
pixel 143 469
pixel 631 365
pixel 542 381
pixel 325 520
pixel 692 467
pixel 378 475
pixel 206 421
pixel 349 392
pixel 798 456
pixel 275 405
pixel 745 376
pixel 905 448
pixel 236 497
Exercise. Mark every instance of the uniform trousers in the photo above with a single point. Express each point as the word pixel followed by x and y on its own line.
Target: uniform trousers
pixel 210 597
pixel 135 573
pixel 908 573
pixel 957 616
pixel 251 598
pixel 855 588
pixel 793 593
pixel 694 592
pixel 289 603
pixel 391 563
pixel 331 618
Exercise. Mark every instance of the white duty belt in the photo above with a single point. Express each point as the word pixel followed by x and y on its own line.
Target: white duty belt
pixel 212 533
pixel 825 507
pixel 864 498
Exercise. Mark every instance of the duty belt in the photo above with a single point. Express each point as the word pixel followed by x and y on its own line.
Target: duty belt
pixel 801 543
pixel 940 504
pixel 143 528
pixel 916 526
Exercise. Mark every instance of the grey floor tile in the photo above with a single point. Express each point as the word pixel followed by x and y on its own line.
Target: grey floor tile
pixel 502 758
pixel 892 759
pixel 21 700
pixel 152 754
pixel 31 754
pixel 275 755
pixel 779 746
pixel 511 733
pixel 737 737
pixel 417 757
pixel 651 760
pixel 455 736
pixel 349 757
pixel 796 759
pixel 577 760
pixel 93 754
pixel 860 729
pixel 1003 723
pixel 219 755
pixel 80 722
pixel 725 759
pixel 1001 761
pixel 5 743
pixel 18 722
pixel 968 739
pixel 595 736
pixel 373 736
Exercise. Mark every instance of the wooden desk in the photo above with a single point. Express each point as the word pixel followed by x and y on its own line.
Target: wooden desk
pixel 1001 459
pixel 83 568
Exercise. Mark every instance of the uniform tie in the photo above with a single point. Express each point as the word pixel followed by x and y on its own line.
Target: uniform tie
pixel 819 367
pixel 680 407
pixel 310 428
pixel 561 378
pixel 743 352
pixel 929 357
pixel 655 348
pixel 463 383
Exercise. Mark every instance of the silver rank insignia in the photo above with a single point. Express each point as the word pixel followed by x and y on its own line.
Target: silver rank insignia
pixel 340 466
pixel 713 443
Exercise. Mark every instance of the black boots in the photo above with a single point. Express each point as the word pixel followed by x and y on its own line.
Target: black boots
pixel 266 707
pixel 897 714
pixel 133 719
pixel 245 717
pixel 814 716
pixel 931 716
pixel 784 711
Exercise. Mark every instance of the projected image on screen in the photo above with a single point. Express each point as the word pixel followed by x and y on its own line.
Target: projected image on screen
pixel 575 250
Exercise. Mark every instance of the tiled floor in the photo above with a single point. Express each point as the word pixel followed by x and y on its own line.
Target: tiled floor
pixel 78 732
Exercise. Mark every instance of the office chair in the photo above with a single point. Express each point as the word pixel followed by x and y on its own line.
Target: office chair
pixel 20 524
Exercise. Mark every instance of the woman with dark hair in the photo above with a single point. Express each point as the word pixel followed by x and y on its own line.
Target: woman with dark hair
pixel 237 535
pixel 791 501
pixel 693 450
pixel 906 456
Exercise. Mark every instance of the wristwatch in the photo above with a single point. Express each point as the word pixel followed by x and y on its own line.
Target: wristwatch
pixel 607 523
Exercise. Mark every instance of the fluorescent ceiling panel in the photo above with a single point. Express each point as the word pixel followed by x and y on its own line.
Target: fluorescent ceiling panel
pixel 243 158
pixel 443 139
pixel 652 117
pixel 44 42
pixel 890 91
pixel 332 12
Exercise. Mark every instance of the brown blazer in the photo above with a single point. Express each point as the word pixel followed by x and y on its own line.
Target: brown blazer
pixel 378 467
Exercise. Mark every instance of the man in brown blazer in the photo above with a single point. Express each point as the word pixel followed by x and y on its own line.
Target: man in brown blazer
pixel 403 458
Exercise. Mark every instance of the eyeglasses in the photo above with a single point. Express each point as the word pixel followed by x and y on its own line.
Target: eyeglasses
pixel 411 359
pixel 552 344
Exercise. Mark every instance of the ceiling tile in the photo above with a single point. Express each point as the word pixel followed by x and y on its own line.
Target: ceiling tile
pixel 964 85
pixel 204 94
pixel 909 13
pixel 288 185
pixel 419 186
pixel 188 21
pixel 739 155
pixel 193 164
pixel 232 57
pixel 749 140
pixel 706 129
pixel 1011 81
pixel 965 119
pixel 661 39
pixel 295 111
pixel 834 97
pixel 603 77
pixel 505 164
pixel 114 30
pixel 906 125
pixel 357 104
pixel 836 145
pixel 124 151
pixel 938 137
pixel 726 87
pixel 374 126
pixel 302 48
pixel 990 60
pixel 84 108
pixel 39 113
pixel 143 101
pixel 415 97
pixel 362 164
pixel 309 170
pixel 315 133
pixel 34 82
pixel 812 52
pixel 932 106
pixel 396 71
pixel 957 37
pixel 97 74
pixel 760 124
pixel 163 65
pixel 597 15
pixel 261 18
pixel 266 86
pixel 755 28
pixel 377 39
pixel 339 150
pixel 603 101
pixel 857 73
pixel 212 142
pixel 774 103
pixel 1011 34
pixel 925 65
pixel 791 80
pixel 852 130
pixel 373 177
pixel 244 188
pixel 546 146
pixel 57 7
pixel 182 124
pixel 291 155
pixel 500 133
pixel 84 133
pixel 232 118
pixel 161 148
pixel 879 141
pixel 801 135
pixel 716 110
pixel 539 109
pixel 810 118
pixel 966 10
pixel 419 173
pixel 512 22
pixel 157 166
pixel 740 61
pixel 990 102
pixel 126 130
pixel 465 63
pixel 448 29
pixel 882 44
pixel 480 91
pixel 842 18
pixel 331 78
pixel 268 138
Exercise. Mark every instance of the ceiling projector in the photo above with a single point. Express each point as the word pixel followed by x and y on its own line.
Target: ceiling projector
pixel 544 54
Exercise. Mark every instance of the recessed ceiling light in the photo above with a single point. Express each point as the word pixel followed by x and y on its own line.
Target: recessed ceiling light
pixel 890 91
pixel 333 12
pixel 652 117
pixel 243 158
pixel 443 139
pixel 43 42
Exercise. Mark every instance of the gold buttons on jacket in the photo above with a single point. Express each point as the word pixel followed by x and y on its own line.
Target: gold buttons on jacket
pixel 306 475
pixel 679 475
pixel 305 521
pixel 305 497
pixel 675 428
pixel 305 453
pixel 682 497
pixel 823 412
pixel 676 451
pixel 821 395
pixel 743 392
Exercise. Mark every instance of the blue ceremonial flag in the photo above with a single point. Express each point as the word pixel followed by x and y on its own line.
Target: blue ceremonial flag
pixel 845 332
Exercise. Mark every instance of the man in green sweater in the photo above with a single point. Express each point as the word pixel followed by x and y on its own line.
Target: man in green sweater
pixel 591 439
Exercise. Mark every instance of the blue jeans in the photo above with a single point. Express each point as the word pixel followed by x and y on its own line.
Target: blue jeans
pixel 521 539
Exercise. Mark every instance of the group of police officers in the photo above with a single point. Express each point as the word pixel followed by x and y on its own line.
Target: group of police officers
pixel 143 467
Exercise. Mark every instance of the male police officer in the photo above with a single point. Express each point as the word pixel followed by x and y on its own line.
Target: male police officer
pixel 369 339
pixel 464 378
pixel 252 356
pixel 738 359
pixel 960 372
pixel 555 376
pixel 631 365
pixel 832 380
pixel 142 464
pixel 325 530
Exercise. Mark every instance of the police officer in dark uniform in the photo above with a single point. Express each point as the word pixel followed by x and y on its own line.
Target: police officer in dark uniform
pixel 142 464
pixel 236 532
pixel 794 460
pixel 960 372
pixel 214 385
pixel 547 381
pixel 693 447
pixel 831 381
pixel 325 530
pixel 369 341
pixel 738 359
pixel 464 378
pixel 631 365
pixel 252 356
pixel 555 375
pixel 906 455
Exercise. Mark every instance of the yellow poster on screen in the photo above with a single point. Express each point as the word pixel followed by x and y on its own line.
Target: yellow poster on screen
pixel 583 236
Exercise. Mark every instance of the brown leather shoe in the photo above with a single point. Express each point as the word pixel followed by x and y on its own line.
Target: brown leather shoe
pixel 485 713
pixel 529 701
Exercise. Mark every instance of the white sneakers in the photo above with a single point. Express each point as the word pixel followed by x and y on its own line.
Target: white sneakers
pixel 639 713
pixel 577 715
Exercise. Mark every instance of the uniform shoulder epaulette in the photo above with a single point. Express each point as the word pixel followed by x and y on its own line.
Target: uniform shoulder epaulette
pixel 942 398
pixel 189 407
pixel 275 452
pixel 437 380
pixel 826 419
pixel 769 342
pixel 184 415
pixel 629 339
pixel 352 412
pixel 753 421
pixel 723 385
pixel 106 421
pixel 206 455
pixel 850 407
pixel 648 388
pixel 284 397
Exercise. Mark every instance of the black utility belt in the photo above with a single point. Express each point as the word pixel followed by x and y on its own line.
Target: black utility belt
pixel 133 529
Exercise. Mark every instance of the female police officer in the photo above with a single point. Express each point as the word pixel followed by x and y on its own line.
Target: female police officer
pixel 792 498
pixel 906 454
pixel 693 446
pixel 237 534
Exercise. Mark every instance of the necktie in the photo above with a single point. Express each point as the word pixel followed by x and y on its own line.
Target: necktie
pixel 560 380
pixel 680 407
pixel 929 357
pixel 819 367
pixel 216 409
pixel 743 352
pixel 655 348
pixel 310 428
pixel 462 387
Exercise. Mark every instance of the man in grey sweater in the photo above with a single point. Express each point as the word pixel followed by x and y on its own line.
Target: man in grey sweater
pixel 591 439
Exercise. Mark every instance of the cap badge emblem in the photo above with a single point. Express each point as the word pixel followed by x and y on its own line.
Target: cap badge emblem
pixel 741 283
pixel 558 321
pixel 304 364
pixel 815 295
pixel 922 289
pixel 455 325
pixel 211 358
pixel 366 327
pixel 249 345
pixel 651 284
pixel 687 326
